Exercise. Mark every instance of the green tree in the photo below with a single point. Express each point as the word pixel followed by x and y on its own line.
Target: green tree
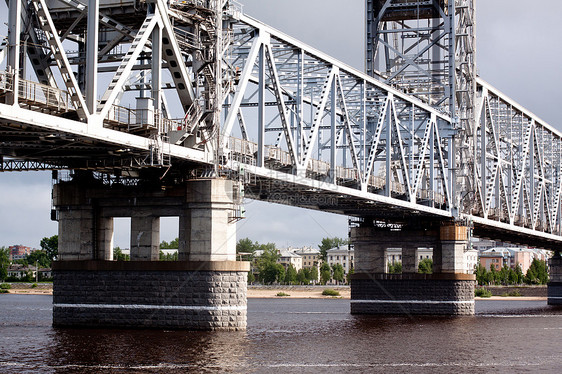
pixel 313 275
pixel 251 277
pixel 168 256
pixel 246 246
pixel 325 273
pixel 425 266
pixel 481 275
pixel 537 273
pixel 291 275
pixel 329 243
pixel 38 258
pixel 50 246
pixel 503 275
pixel 302 276
pixel 4 262
pixel 269 271
pixel 493 275
pixel 272 273
pixel 246 249
pixel 395 268
pixel 351 272
pixel 174 244
pixel 338 273
pixel 119 255
pixel 519 274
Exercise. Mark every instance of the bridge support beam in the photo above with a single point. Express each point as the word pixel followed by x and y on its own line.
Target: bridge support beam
pixel 206 290
pixel 206 231
pixel 145 238
pixel 555 283
pixel 447 291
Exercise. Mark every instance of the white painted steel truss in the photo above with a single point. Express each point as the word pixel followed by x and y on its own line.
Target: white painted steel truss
pixel 517 168
pixel 283 118
pixel 316 118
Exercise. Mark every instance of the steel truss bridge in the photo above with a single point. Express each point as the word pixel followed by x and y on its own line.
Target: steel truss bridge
pixel 168 91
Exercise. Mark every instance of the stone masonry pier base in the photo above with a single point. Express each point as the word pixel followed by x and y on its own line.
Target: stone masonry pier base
pixel 404 294
pixel 555 284
pixel 147 294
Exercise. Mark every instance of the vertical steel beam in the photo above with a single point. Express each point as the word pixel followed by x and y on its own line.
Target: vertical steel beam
pixel 388 121
pixel 333 132
pixel 261 106
pixel 157 69
pixel 92 55
pixel 300 104
pixel 432 161
pixel 14 41
pixel 483 172
pixel 532 173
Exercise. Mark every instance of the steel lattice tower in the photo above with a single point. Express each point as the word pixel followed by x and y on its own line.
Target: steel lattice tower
pixel 427 49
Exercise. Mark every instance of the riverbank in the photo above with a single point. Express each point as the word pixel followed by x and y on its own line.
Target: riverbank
pixel 309 292
pixel 297 292
pixel 31 288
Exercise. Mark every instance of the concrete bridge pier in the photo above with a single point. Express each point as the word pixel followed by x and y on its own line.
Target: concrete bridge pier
pixel 555 283
pixel 205 290
pixel 447 291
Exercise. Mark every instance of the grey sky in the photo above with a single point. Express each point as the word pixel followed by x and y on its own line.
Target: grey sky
pixel 517 53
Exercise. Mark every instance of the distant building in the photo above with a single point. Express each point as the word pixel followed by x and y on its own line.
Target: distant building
pixel 470 261
pixel 522 257
pixel 392 256
pixel 18 252
pixel 310 257
pixel 496 257
pixel 482 245
pixel 289 258
pixel 343 255
pixel 511 257
pixel 423 254
pixel 20 271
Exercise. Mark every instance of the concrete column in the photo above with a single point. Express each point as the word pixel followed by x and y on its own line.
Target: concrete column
pixel 145 238
pixel 206 232
pixel 369 255
pixel 76 236
pixel 555 283
pixel 448 255
pixel 409 254
pixel 104 238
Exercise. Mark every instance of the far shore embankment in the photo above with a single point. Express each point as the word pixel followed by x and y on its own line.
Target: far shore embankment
pixel 313 292
pixel 296 292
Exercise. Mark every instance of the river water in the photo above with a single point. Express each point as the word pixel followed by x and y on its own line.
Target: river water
pixel 292 336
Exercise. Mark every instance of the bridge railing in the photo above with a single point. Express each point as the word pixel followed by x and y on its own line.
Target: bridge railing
pixel 37 95
pixel 245 152
pixel 6 81
pixel 40 94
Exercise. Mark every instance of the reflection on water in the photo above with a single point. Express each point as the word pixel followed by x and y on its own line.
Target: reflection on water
pixel 147 349
pixel 290 335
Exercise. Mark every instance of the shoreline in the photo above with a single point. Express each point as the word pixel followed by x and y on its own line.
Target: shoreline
pixel 293 292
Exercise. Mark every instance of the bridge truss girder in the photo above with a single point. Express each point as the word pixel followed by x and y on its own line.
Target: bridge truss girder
pixel 518 160
pixel 319 120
